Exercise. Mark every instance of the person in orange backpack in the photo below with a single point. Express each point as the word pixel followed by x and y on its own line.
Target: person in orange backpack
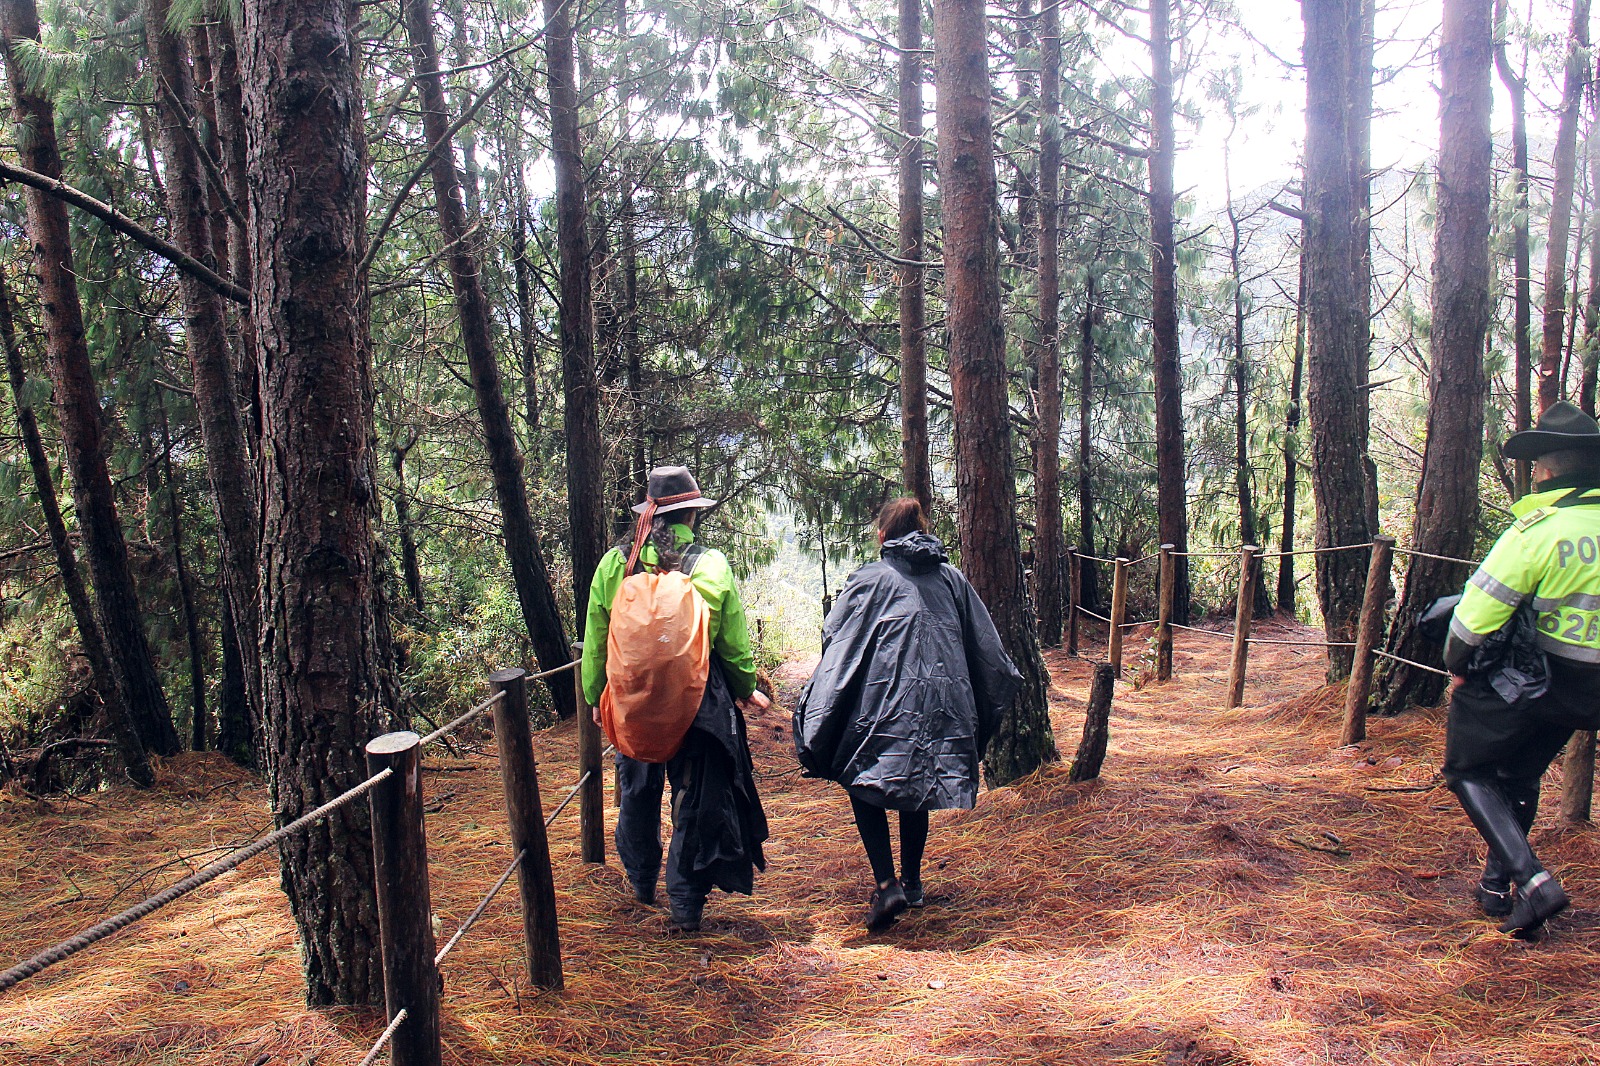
pixel 718 825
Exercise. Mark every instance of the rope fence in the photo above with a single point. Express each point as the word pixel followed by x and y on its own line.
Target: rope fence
pixel 472 919
pixel 383 1039
pixel 1437 558
pixel 1380 653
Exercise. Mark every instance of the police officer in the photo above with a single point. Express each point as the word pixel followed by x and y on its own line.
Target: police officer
pixel 1495 751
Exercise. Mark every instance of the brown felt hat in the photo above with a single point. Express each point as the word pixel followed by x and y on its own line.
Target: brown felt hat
pixel 672 488
pixel 1561 427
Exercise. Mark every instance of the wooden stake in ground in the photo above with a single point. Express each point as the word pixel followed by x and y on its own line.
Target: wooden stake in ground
pixel 1119 608
pixel 1096 727
pixel 1168 589
pixel 591 793
pixel 1577 775
pixel 1244 614
pixel 525 813
pixel 1367 633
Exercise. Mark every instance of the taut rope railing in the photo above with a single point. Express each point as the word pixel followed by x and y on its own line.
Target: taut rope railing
pixel 393 790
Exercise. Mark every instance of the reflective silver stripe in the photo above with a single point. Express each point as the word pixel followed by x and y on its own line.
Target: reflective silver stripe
pixel 1491 585
pixel 1582 601
pixel 1459 630
pixel 1576 653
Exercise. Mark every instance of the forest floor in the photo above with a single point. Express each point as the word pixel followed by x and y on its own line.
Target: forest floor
pixel 1236 889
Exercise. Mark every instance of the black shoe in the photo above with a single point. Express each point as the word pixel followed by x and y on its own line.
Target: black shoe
pixel 684 919
pixel 1494 898
pixel 1541 899
pixel 914 894
pixel 645 894
pixel 886 905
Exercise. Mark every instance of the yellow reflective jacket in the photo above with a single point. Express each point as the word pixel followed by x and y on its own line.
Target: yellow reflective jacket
pixel 1551 553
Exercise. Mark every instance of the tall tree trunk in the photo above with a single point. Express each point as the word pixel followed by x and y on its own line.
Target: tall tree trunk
pixel 323 643
pixel 199 734
pixel 579 381
pixel 1047 542
pixel 1336 313
pixel 77 400
pixel 528 345
pixel 1291 445
pixel 106 684
pixel 986 524
pixel 1088 587
pixel 402 518
pixel 1565 167
pixel 1522 291
pixel 1591 305
pixel 236 732
pixel 638 473
pixel 1171 483
pixel 1241 393
pixel 232 475
pixel 916 473
pixel 230 132
pixel 538 601
pixel 1447 499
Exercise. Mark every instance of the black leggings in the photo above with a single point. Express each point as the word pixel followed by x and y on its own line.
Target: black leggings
pixel 873 824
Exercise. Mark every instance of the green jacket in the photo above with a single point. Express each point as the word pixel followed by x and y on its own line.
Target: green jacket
pixel 712 577
pixel 1551 553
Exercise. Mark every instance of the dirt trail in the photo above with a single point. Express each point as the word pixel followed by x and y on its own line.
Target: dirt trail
pixel 1234 891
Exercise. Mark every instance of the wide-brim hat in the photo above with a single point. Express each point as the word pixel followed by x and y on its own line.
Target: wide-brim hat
pixel 672 488
pixel 1561 427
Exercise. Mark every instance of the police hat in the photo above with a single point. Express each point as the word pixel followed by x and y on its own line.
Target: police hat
pixel 1561 427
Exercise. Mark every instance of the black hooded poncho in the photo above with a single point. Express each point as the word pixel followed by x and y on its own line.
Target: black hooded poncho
pixel 912 684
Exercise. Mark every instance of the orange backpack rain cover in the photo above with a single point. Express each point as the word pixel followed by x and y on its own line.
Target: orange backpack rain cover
pixel 658 656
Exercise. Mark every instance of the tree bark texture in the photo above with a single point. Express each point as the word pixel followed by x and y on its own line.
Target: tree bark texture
pixel 473 313
pixel 1047 540
pixel 1171 483
pixel 230 132
pixel 916 473
pixel 579 381
pixel 1336 313
pixel 1291 446
pixel 1522 283
pixel 1088 585
pixel 991 554
pixel 1565 167
pixel 121 724
pixel 77 399
pixel 1447 499
pixel 228 462
pixel 322 640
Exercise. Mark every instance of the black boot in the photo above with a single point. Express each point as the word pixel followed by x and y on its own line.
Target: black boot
pixel 1538 900
pixel 1492 816
pixel 1494 892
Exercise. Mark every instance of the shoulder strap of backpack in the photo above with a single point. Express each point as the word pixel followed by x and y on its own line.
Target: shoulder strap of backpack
pixel 1576 498
pixel 692 555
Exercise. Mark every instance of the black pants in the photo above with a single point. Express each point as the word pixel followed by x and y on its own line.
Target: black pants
pixel 873 824
pixel 1487 741
pixel 638 834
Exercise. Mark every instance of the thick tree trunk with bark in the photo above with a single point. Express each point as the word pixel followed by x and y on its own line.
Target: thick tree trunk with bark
pixel 986 524
pixel 1447 500
pixel 1522 290
pixel 1565 166
pixel 1291 446
pixel 123 731
pixel 1336 312
pixel 916 474
pixel 539 611
pixel 323 639
pixel 1047 542
pixel 1172 504
pixel 228 463
pixel 579 381
pixel 1088 586
pixel 77 399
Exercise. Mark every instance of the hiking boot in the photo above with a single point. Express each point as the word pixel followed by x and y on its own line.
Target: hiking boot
pixel 1541 899
pixel 1494 899
pixel 886 905
pixel 645 894
pixel 914 894
pixel 684 919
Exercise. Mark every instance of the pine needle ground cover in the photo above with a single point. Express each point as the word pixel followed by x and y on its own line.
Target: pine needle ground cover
pixel 1235 890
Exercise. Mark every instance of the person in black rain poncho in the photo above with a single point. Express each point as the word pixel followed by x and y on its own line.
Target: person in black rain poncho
pixel 912 683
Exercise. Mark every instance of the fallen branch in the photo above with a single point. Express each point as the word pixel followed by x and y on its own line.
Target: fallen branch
pixel 1312 845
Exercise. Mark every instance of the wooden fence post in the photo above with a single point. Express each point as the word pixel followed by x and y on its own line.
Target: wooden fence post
pixel 525 813
pixel 1119 607
pixel 591 794
pixel 1168 592
pixel 1243 615
pixel 405 907
pixel 1367 633
pixel 1578 774
pixel 1074 598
